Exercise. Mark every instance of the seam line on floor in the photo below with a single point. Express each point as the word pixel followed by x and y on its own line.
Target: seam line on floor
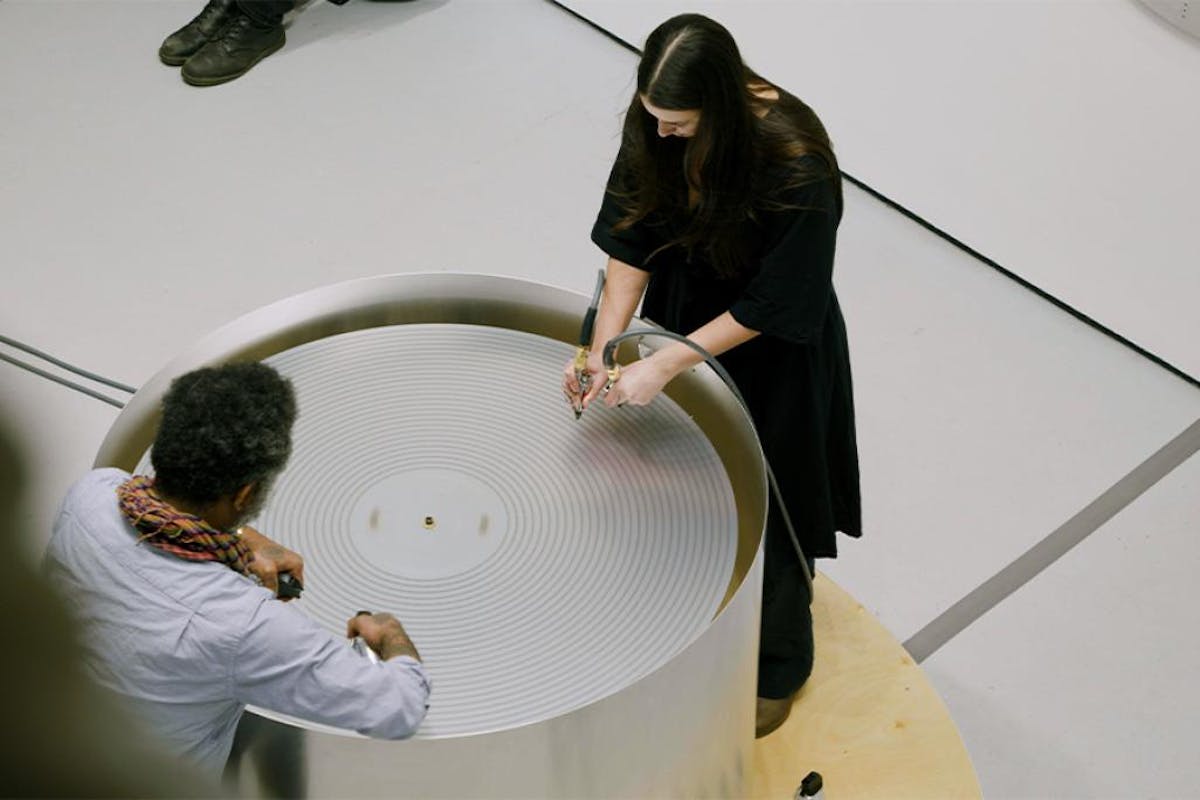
pixel 1058 543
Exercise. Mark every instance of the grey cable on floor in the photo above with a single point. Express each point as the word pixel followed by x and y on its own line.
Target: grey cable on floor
pixel 91 376
pixel 69 384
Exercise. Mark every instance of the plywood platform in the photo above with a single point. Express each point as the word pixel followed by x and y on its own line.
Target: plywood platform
pixel 868 719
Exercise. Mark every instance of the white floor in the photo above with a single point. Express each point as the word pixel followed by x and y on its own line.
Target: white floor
pixel 137 214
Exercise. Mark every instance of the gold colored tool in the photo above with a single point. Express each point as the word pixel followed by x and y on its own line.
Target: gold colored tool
pixel 614 375
pixel 583 377
pixel 585 343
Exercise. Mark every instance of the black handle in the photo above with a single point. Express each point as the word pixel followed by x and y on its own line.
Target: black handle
pixel 288 586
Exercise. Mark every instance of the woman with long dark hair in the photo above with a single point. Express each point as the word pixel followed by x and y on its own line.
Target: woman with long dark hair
pixel 722 211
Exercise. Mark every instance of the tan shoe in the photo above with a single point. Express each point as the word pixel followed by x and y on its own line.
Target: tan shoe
pixel 770 714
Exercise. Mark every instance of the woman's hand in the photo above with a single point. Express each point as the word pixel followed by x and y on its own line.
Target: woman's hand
pixel 270 559
pixel 576 397
pixel 623 290
pixel 640 382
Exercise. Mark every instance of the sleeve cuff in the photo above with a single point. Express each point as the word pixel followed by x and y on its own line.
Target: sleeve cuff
pixel 764 317
pixel 615 248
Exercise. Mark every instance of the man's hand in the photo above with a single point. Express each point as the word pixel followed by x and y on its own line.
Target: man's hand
pixel 383 633
pixel 270 559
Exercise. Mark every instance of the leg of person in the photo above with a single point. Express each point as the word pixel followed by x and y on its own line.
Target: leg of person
pixel 255 32
pixel 785 653
pixel 204 27
pixel 266 12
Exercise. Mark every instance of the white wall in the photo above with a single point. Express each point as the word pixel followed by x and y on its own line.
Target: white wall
pixel 1061 139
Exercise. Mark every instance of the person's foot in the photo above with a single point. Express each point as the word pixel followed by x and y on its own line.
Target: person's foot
pixel 241 44
pixel 770 714
pixel 187 41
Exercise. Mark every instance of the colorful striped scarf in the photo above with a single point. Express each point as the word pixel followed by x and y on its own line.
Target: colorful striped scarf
pixel 183 535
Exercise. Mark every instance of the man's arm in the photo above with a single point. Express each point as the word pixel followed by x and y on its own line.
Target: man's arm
pixel 287 663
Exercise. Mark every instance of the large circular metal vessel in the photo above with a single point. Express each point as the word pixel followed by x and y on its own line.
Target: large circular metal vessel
pixel 585 593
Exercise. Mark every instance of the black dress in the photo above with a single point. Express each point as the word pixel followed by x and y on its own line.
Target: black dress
pixel 795 378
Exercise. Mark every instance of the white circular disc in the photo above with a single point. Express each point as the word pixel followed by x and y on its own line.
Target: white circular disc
pixel 566 558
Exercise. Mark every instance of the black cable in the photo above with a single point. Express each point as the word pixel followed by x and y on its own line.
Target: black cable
pixel 69 384
pixel 64 365
pixel 609 357
pixel 589 318
pixel 936 231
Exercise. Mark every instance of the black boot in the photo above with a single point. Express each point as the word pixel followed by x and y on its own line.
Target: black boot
pixel 187 41
pixel 242 43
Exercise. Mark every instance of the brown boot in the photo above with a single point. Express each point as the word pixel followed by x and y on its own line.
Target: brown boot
pixel 770 713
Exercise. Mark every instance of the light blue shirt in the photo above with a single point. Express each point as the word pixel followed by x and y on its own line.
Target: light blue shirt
pixel 190 643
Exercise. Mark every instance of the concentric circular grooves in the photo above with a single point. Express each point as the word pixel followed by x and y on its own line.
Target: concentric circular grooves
pixel 652 510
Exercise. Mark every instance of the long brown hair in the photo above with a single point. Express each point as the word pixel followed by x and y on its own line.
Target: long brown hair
pixel 691 62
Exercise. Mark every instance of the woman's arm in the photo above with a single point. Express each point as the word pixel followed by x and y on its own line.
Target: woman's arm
pixel 718 336
pixel 623 289
pixel 641 381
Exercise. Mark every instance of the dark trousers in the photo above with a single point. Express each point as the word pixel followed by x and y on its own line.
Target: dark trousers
pixel 266 12
pixel 785 650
